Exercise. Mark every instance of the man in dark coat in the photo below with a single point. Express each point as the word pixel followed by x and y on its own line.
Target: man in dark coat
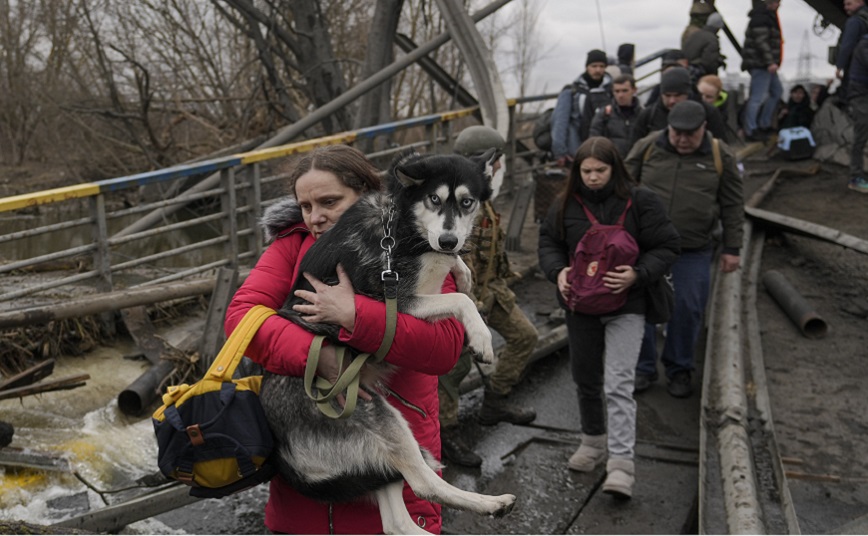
pixel 702 47
pixel 855 27
pixel 616 120
pixel 761 58
pixel 675 87
pixel 697 179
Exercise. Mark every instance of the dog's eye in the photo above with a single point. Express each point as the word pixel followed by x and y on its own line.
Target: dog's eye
pixel 435 199
pixel 467 202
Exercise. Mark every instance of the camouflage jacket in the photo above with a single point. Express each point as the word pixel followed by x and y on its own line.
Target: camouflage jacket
pixel 488 262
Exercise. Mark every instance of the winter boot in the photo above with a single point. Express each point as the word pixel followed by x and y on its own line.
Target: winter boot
pixel 496 409
pixel 591 453
pixel 456 450
pixel 619 481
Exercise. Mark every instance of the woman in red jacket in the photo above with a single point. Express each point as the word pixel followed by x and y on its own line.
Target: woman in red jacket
pixel 324 183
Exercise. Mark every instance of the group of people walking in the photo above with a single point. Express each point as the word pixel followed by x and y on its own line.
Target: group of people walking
pixel 662 172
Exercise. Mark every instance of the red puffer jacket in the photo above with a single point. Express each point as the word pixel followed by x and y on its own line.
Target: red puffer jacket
pixel 422 350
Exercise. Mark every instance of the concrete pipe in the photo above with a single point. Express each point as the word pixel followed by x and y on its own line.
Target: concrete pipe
pixel 797 308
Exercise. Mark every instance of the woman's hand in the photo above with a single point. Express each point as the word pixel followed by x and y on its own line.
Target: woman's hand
pixel 563 284
pixel 335 304
pixel 620 279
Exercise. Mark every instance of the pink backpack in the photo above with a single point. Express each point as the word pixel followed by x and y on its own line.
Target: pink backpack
pixel 601 249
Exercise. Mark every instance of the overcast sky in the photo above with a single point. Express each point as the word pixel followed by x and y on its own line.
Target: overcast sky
pixel 569 28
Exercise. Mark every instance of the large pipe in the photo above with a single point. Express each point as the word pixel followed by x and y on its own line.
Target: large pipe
pixel 797 308
pixel 145 389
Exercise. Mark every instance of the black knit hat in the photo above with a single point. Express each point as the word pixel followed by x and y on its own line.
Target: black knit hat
pixel 597 56
pixel 675 80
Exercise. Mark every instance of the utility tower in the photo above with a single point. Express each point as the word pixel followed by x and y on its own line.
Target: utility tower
pixel 803 73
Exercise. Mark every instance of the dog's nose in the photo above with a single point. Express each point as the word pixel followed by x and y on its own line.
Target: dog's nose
pixel 448 242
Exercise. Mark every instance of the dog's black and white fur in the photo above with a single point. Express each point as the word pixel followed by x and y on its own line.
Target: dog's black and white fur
pixel 434 201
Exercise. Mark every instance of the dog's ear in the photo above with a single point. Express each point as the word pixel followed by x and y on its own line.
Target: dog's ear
pixel 406 180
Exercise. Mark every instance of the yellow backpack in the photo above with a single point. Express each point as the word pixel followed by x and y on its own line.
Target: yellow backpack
pixel 213 435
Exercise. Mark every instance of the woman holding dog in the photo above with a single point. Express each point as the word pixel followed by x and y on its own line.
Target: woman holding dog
pixel 604 348
pixel 324 183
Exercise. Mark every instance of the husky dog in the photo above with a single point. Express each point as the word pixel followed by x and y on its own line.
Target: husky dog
pixel 429 210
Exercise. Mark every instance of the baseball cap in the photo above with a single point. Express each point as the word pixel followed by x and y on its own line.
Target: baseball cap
pixel 687 116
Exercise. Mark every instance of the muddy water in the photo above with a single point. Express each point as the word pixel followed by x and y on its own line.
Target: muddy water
pixel 106 448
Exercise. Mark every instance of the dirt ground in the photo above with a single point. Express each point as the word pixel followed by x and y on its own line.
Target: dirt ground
pixel 815 385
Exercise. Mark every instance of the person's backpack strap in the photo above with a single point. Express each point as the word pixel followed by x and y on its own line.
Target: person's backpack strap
pixel 715 151
pixel 233 350
pixel 648 152
pixel 594 221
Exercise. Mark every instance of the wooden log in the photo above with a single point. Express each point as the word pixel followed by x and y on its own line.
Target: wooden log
pixel 29 376
pixel 113 518
pixel 109 301
pixel 812 230
pixel 69 382
pixel 142 331
pixel 32 459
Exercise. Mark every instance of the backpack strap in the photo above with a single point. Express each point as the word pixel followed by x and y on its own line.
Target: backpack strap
pixel 715 151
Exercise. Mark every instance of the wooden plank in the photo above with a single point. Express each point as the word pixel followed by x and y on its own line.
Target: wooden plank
pixel 802 227
pixel 141 329
pixel 113 518
pixel 33 459
pixel 212 334
pixel 69 382
pixel 518 216
pixel 29 376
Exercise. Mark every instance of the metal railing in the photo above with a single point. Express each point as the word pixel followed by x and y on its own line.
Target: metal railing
pixel 77 242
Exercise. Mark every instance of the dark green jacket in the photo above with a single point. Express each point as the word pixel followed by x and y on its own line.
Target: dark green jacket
pixel 693 193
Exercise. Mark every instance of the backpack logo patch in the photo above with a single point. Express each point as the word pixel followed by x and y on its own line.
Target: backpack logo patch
pixel 592 269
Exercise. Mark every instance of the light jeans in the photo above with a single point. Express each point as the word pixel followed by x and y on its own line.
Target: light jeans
pixel 603 355
pixel 765 93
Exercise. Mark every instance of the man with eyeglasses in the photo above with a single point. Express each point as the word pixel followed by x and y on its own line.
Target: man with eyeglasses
pixel 696 177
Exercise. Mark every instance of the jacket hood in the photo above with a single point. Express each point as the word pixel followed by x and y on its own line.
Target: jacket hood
pixel 280 216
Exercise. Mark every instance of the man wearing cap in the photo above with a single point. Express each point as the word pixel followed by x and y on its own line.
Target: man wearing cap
pixel 700 184
pixel 491 273
pixel 577 102
pixel 675 87
pixel 761 57
pixel 702 47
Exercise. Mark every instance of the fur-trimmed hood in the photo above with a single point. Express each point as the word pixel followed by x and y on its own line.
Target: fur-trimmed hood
pixel 279 216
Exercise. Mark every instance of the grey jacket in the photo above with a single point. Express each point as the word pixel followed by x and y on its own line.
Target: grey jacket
pixel 702 48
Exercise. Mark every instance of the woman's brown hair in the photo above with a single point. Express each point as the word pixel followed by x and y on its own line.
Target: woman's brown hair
pixel 605 151
pixel 348 164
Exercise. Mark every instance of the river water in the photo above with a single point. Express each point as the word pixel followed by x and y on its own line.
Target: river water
pixel 106 448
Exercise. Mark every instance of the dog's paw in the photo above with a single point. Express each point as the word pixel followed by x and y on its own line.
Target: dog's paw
pixel 503 504
pixel 480 345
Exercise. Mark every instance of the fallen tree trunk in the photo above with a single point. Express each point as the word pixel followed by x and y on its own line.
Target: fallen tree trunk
pixel 69 382
pixel 110 301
